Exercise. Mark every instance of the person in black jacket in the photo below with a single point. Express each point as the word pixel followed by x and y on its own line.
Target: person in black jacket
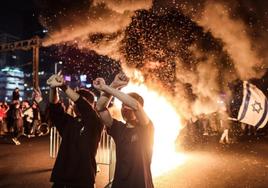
pixel 17 123
pixel 16 94
pixel 75 165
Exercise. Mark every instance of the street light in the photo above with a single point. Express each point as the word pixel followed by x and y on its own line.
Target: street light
pixel 56 66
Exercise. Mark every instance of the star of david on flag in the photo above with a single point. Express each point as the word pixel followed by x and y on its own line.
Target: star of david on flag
pixel 254 107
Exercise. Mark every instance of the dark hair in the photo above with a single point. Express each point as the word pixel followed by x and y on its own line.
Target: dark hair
pixel 16 103
pixel 26 101
pixel 87 94
pixel 34 102
pixel 137 97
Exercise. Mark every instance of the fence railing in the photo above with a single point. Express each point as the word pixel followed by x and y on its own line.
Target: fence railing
pixel 105 153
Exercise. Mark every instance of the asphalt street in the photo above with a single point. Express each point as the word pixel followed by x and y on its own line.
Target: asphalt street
pixel 244 164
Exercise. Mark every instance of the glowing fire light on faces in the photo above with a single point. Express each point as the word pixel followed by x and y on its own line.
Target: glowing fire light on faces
pixel 167 125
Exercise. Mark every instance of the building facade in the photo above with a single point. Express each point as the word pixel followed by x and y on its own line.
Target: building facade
pixel 11 78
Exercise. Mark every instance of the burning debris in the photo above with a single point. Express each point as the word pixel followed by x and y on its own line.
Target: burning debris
pixel 184 52
pixel 169 47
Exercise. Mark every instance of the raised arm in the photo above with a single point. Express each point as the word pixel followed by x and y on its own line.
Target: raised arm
pixel 119 81
pixel 101 106
pixel 56 111
pixel 53 93
pixel 125 98
pixel 130 102
pixel 7 108
pixel 37 97
pixel 103 102
pixel 85 109
pixel 57 80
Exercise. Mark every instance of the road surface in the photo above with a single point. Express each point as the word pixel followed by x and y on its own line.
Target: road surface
pixel 239 165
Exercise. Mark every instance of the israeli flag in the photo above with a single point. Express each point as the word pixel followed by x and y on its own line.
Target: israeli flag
pixel 254 107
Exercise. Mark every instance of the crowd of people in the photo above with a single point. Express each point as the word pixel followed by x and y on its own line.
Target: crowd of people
pixel 80 125
pixel 199 129
pixel 26 118
pixel 20 118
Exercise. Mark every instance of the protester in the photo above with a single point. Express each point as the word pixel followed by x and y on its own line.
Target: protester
pixel 17 124
pixel 133 139
pixel 16 94
pixel 205 124
pixel 214 123
pixel 194 130
pixel 2 114
pixel 10 117
pixel 36 119
pixel 75 165
pixel 225 126
pixel 5 106
pixel 27 112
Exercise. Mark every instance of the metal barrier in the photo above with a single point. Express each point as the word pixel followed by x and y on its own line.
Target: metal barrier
pixel 55 140
pixel 105 153
pixel 112 161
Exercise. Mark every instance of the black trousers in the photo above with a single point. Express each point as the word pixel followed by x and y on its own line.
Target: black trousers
pixel 18 129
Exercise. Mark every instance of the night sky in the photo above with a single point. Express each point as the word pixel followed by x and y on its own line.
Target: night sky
pixel 19 18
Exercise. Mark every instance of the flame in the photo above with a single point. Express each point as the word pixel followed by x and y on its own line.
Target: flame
pixel 167 125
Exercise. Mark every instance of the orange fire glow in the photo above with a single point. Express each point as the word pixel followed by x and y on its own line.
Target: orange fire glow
pixel 167 126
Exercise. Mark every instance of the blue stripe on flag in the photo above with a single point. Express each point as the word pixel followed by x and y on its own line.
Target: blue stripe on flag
pixel 246 103
pixel 263 115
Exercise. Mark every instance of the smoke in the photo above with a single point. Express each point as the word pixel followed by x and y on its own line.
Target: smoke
pixel 187 63
pixel 126 5
pixel 240 25
pixel 104 19
pixel 240 53
pixel 104 44
pixel 206 89
pixel 237 43
pixel 186 51
pixel 255 15
pixel 204 82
